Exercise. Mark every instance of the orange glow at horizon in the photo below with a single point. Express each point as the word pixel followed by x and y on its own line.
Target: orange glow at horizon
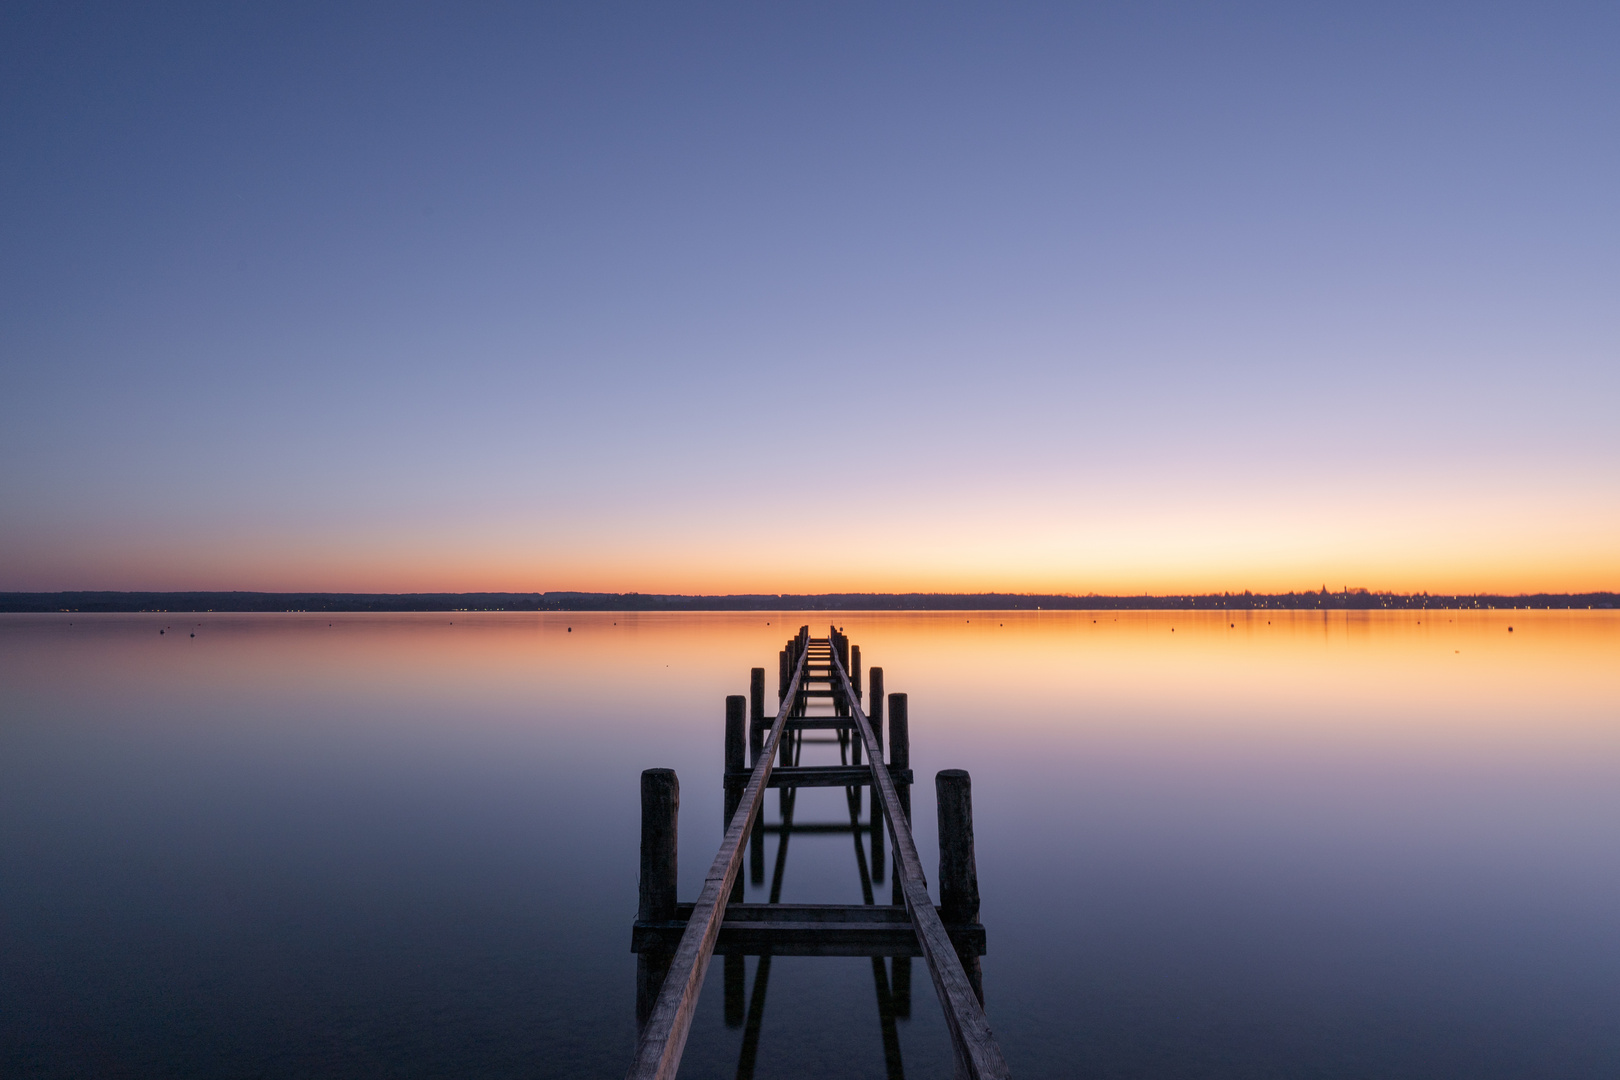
pixel 1460 543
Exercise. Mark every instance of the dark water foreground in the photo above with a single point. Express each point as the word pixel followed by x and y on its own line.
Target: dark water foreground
pixel 1333 844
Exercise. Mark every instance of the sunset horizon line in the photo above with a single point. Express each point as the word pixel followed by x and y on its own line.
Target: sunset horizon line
pixel 90 601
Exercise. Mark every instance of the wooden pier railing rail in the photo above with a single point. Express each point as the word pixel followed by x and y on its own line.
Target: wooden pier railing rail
pixel 682 938
pixel 977 1054
pixel 658 1053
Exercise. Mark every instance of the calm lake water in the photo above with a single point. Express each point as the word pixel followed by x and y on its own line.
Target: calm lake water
pixel 1265 844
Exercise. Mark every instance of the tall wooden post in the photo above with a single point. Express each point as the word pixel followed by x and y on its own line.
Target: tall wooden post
pixel 735 970
pixel 855 681
pixel 875 718
pixel 756 696
pixel 736 769
pixel 900 744
pixel 784 675
pixel 958 873
pixel 660 813
pixel 876 713
pixel 899 761
pixel 736 743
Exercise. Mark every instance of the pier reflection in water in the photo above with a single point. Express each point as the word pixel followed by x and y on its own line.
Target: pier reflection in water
pixel 1340 844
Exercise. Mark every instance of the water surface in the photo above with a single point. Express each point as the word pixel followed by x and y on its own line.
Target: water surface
pixel 1246 844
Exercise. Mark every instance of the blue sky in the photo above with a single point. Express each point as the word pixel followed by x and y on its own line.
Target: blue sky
pixel 662 298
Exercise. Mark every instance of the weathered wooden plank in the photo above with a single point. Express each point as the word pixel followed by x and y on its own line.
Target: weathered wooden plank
pixel 785 776
pixel 813 939
pixel 820 723
pixel 822 827
pixel 658 1051
pixel 808 930
pixel 862 913
pixel 978 1055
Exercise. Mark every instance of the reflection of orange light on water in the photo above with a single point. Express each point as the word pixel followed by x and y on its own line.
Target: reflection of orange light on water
pixel 1356 675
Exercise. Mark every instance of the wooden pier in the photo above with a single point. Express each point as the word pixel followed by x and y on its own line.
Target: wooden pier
pixel 674 942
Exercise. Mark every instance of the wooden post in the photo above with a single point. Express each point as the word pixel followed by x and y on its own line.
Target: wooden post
pixel 855 681
pixel 736 740
pixel 958 874
pixel 899 738
pixel 756 696
pixel 876 720
pixel 660 813
pixel 899 760
pixel 784 673
pixel 875 717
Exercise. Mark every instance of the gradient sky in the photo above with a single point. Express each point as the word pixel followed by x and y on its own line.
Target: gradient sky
pixel 725 299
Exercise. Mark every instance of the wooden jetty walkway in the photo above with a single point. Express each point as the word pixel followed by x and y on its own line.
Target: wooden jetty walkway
pixel 674 941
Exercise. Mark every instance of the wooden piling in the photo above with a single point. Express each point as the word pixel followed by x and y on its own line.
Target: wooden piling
pixel 660 811
pixel 900 759
pixel 736 724
pixel 875 680
pixel 784 673
pixel 899 739
pixel 875 719
pixel 735 763
pixel 855 669
pixel 756 696
pixel 958 873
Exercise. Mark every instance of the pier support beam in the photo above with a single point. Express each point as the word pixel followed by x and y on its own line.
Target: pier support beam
pixel 900 760
pixel 958 872
pixel 735 743
pixel 756 697
pixel 876 720
pixel 660 811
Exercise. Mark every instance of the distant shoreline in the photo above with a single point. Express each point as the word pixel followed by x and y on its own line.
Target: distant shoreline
pixel 1347 600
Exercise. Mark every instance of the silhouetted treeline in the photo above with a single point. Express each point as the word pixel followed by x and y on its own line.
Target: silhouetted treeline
pixel 1348 599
